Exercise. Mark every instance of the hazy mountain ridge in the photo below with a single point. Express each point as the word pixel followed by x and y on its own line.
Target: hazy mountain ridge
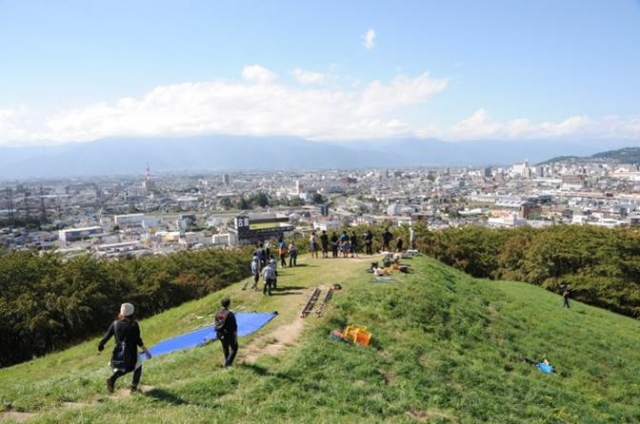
pixel 112 156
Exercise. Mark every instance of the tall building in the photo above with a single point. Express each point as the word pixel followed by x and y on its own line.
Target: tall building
pixel 226 180
pixel 148 184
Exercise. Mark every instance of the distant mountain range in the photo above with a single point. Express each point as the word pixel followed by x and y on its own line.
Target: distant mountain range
pixel 120 156
pixel 624 155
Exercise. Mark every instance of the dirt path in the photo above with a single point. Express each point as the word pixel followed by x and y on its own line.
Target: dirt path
pixel 273 342
pixel 14 416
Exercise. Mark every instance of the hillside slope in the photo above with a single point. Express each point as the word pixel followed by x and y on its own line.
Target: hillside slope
pixel 446 348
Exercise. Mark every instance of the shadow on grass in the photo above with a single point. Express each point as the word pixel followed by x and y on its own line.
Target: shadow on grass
pixel 167 397
pixel 172 399
pixel 285 293
pixel 288 290
pixel 264 372
pixel 291 287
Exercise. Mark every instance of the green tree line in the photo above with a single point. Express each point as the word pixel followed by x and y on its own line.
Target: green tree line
pixel 601 265
pixel 49 303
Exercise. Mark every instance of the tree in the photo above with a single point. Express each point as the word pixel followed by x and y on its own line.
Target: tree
pixel 260 199
pixel 318 199
pixel 225 203
pixel 243 203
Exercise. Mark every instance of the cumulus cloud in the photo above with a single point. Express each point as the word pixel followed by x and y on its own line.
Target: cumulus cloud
pixel 258 105
pixel 258 74
pixel 308 77
pixel 13 123
pixel 479 125
pixel 369 39
pixel 249 108
pixel 475 126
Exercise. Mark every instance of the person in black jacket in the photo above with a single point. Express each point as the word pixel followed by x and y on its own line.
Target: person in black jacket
pixel 324 242
pixel 566 293
pixel 125 329
pixel 227 332
pixel 368 242
pixel 386 239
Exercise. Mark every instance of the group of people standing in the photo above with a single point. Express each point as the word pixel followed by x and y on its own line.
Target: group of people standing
pixel 346 245
pixel 263 264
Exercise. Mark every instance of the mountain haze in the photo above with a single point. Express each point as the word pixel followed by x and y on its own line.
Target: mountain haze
pixel 112 156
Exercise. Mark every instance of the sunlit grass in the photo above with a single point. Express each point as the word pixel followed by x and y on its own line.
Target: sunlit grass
pixel 445 348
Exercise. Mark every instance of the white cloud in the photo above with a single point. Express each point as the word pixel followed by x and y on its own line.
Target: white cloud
pixel 475 126
pixel 308 77
pixel 223 107
pixel 379 97
pixel 12 125
pixel 369 39
pixel 258 74
pixel 257 105
pixel 479 126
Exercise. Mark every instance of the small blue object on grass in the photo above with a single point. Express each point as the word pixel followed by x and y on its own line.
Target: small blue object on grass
pixel 248 322
pixel 545 368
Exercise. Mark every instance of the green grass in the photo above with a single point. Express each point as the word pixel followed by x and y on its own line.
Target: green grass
pixel 446 348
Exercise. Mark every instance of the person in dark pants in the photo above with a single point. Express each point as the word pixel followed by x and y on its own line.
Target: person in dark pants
pixel 269 278
pixel 386 239
pixel 282 250
pixel 293 255
pixel 324 242
pixel 368 242
pixel 227 332
pixel 565 297
pixel 125 329
pixel 335 245
pixel 353 240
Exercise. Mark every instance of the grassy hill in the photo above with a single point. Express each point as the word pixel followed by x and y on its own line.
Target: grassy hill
pixel 446 349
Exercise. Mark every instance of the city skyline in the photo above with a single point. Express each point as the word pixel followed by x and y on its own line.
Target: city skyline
pixel 334 71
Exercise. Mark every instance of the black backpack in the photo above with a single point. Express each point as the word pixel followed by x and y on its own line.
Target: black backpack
pixel 119 359
pixel 221 320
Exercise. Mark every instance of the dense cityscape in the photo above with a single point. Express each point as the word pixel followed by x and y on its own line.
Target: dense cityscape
pixel 156 214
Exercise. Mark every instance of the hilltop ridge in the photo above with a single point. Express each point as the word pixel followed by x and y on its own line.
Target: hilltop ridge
pixel 625 155
pixel 446 348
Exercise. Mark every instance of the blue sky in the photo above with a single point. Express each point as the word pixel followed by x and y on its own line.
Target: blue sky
pixel 500 69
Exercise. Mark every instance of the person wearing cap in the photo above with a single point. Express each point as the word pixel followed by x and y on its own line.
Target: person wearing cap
pixel 227 332
pixel 125 329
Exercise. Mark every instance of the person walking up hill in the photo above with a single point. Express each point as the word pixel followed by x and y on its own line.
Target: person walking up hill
pixel 269 277
pixel 227 332
pixel 566 293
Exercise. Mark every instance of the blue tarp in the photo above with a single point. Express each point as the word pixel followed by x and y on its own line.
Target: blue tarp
pixel 248 322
